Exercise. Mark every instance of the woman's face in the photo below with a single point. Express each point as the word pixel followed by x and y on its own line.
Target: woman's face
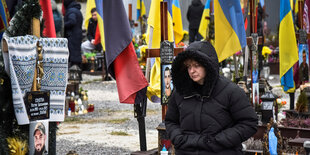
pixel 195 71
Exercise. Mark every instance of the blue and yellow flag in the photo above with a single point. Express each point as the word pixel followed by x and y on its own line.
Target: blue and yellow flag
pixel 154 24
pixel 205 21
pixel 229 28
pixel 4 18
pixel 140 9
pixel 177 22
pixel 99 7
pixel 288 51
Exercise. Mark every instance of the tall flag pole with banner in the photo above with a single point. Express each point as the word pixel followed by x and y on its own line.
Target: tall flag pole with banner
pixel 121 58
pixel 205 21
pixel 288 51
pixel 177 21
pixel 229 28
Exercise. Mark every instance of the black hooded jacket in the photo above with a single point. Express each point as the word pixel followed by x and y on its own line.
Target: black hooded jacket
pixel 211 119
pixel 73 29
pixel 194 14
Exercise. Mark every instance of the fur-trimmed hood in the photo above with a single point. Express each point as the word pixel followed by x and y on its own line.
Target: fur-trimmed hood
pixel 204 53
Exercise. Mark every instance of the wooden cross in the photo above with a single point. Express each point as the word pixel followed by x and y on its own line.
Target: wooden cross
pixel 252 43
pixel 155 52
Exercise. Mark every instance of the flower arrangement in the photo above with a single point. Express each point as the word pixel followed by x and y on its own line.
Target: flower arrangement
pixel 271 54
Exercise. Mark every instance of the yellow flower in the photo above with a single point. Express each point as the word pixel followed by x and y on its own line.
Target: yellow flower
pixel 266 50
pixel 17 146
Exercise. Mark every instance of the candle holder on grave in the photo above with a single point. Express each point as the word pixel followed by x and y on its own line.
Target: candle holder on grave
pixel 163 139
pixel 75 77
pixel 92 66
pixel 267 108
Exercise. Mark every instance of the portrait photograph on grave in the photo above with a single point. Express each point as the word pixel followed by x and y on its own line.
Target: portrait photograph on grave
pixel 38 138
pixel 166 83
pixel 303 54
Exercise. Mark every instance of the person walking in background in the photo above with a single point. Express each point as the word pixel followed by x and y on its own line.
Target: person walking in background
pixel 193 15
pixel 73 30
pixel 207 113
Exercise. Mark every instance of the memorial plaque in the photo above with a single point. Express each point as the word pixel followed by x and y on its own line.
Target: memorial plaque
pixel 38 103
pixel 166 52
pixel 267 105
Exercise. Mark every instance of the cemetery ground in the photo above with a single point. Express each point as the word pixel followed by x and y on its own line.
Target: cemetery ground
pixel 112 128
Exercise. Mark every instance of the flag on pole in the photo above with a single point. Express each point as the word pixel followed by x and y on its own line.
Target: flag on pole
pixel 229 28
pixel 89 5
pixel 4 17
pixel 288 51
pixel 177 21
pixel 170 21
pixel 154 24
pixel 140 9
pixel 49 30
pixel 99 7
pixel 205 21
pixel 121 58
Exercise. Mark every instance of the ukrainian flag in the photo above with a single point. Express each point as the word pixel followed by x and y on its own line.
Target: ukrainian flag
pixel 99 7
pixel 153 90
pixel 229 28
pixel 288 51
pixel 4 17
pixel 177 21
pixel 154 24
pixel 140 9
pixel 204 23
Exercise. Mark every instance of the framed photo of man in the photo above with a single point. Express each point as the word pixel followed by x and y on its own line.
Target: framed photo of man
pixel 166 83
pixel 38 138
pixel 303 53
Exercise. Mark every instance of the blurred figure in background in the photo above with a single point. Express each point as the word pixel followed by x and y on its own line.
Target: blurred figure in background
pixel 57 19
pixel 73 20
pixel 193 15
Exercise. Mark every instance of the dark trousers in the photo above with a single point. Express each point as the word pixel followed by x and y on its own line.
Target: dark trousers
pixel 194 35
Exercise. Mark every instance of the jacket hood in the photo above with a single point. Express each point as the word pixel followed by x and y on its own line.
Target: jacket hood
pixel 204 53
pixel 72 4
pixel 196 3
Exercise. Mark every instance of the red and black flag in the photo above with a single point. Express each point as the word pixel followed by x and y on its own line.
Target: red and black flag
pixel 121 58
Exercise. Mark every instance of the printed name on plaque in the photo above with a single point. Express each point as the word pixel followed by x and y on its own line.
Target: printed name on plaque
pixel 166 52
pixel 38 105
